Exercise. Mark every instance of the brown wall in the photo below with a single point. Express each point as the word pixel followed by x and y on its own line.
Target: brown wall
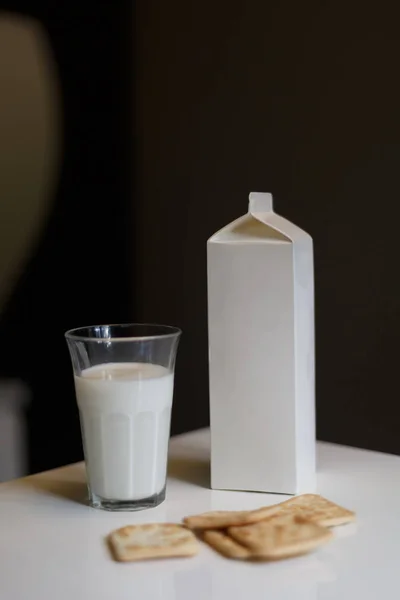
pixel 300 99
pixel 29 142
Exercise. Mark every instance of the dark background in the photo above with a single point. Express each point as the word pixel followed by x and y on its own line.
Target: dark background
pixel 172 116
pixel 81 272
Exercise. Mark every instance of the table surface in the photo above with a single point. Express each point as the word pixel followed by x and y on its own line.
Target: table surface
pixel 52 544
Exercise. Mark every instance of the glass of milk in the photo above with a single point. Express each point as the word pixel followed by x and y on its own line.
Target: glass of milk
pixel 124 380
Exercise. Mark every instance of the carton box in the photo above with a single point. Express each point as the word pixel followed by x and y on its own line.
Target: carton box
pixel 261 353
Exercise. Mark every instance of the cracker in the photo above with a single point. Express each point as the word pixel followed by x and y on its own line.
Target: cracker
pixel 317 509
pixel 221 519
pixel 281 537
pixel 225 545
pixel 154 540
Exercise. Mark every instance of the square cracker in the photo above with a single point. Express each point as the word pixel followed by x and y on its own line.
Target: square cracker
pixel 221 519
pixel 317 509
pixel 154 540
pixel 281 537
pixel 225 545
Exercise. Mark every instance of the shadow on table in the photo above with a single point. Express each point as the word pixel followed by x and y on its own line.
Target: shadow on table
pixel 190 471
pixel 196 472
pixel 74 490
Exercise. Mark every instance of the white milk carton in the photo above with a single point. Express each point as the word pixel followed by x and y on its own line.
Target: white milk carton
pixel 261 352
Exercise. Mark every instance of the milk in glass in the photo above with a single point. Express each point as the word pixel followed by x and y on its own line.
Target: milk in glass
pixel 125 411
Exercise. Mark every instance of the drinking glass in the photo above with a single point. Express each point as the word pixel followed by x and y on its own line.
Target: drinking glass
pixel 124 380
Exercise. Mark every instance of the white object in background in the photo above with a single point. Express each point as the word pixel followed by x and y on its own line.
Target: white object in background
pixel 13 454
pixel 261 351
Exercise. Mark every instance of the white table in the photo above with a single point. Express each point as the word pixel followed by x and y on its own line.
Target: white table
pixel 52 544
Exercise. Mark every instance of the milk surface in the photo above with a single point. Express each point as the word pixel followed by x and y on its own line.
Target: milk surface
pixel 125 411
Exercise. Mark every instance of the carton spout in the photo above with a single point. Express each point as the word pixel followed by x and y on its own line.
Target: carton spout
pixel 260 202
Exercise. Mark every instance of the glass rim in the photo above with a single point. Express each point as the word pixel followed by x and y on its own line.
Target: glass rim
pixel 169 331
